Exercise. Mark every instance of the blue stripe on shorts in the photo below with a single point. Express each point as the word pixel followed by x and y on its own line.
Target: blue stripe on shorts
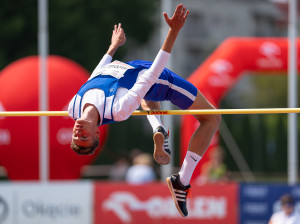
pixel 169 87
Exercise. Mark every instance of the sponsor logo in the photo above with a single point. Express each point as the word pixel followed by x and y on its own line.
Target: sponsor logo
pixel 124 204
pixel 115 69
pixel 33 209
pixel 269 50
pixel 64 136
pixel 256 191
pixel 271 56
pixel 193 158
pixel 4 137
pixel 256 208
pixel 157 112
pixel 3 210
pixel 221 70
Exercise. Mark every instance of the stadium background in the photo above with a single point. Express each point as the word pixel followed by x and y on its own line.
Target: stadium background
pixel 80 31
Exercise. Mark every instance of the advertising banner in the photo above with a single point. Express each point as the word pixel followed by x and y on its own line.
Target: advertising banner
pixel 258 201
pixel 152 203
pixel 34 203
pixel 6 200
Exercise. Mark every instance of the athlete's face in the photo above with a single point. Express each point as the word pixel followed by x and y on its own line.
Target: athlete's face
pixel 84 132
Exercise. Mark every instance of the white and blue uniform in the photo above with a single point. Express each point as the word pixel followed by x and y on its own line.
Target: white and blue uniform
pixel 169 87
pixel 116 89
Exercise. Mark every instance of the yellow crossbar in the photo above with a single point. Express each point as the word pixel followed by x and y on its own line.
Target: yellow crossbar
pixel 161 112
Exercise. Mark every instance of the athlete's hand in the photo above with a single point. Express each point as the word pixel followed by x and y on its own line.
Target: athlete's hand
pixel 118 36
pixel 177 21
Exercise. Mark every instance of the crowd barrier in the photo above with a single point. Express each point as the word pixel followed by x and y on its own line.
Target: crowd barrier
pixel 110 202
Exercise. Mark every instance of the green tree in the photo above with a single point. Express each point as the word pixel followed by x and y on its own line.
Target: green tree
pixel 78 29
pixel 18 34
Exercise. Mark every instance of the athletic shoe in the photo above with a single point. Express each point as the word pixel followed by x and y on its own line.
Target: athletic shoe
pixel 179 193
pixel 162 153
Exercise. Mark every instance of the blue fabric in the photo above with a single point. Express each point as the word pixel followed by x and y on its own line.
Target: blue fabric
pixel 168 87
pixel 165 92
pixel 110 85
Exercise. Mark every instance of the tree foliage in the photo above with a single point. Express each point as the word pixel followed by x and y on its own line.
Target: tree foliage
pixel 18 34
pixel 78 29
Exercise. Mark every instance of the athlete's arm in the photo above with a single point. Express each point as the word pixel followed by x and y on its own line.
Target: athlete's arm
pixel 129 102
pixel 118 39
pixel 175 23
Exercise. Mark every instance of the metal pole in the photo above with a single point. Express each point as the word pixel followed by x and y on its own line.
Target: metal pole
pixel 43 89
pixel 166 6
pixel 235 152
pixel 292 95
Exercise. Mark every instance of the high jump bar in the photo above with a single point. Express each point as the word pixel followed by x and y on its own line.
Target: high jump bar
pixel 160 112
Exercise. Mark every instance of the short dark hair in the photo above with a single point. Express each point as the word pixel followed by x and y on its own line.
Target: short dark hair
pixel 85 150
pixel 287 199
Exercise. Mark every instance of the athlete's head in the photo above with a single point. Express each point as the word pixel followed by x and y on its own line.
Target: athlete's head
pixel 85 138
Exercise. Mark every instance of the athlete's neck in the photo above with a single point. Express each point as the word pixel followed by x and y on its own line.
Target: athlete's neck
pixel 91 113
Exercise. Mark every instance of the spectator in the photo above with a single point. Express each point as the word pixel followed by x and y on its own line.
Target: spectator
pixel 287 215
pixel 142 170
pixel 214 170
pixel 119 169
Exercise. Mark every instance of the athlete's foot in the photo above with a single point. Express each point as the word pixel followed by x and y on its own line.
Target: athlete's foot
pixel 179 193
pixel 162 153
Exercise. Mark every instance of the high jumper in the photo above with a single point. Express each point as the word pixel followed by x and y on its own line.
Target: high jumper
pixel 116 89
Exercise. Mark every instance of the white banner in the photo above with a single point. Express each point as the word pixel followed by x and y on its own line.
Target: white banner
pixel 58 202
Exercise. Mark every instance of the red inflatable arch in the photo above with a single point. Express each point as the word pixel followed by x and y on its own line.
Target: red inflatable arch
pixel 220 72
pixel 19 136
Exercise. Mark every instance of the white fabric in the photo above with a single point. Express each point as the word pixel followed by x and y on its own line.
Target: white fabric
pixel 126 101
pixel 104 61
pixel 188 166
pixel 70 108
pixel 139 174
pixel 116 69
pixel 94 96
pixel 159 63
pixel 282 218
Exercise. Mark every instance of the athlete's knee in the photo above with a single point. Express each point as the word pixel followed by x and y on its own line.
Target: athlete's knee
pixel 214 119
pixel 201 103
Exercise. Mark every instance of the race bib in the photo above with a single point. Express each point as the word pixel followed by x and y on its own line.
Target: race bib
pixel 116 69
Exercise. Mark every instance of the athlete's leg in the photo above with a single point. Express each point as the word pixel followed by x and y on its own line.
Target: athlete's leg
pixel 199 142
pixel 161 152
pixel 200 139
pixel 209 124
